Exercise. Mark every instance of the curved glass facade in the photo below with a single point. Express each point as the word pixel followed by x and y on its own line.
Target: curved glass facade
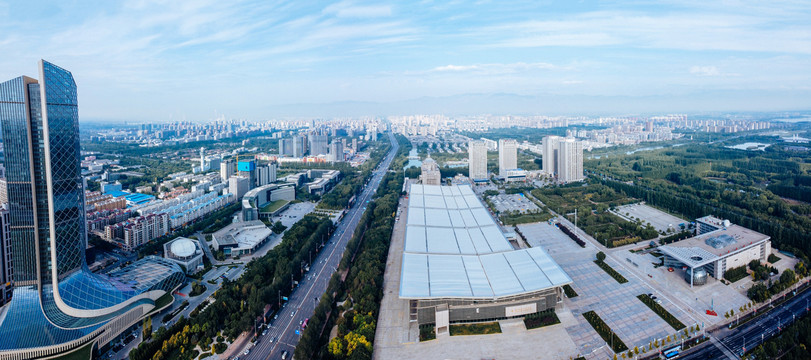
pixel 56 298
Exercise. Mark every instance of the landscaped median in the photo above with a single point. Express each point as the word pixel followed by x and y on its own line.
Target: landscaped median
pixel 608 269
pixel 661 311
pixel 476 329
pixel 605 332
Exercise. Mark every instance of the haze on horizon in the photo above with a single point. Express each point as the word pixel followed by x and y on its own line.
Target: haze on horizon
pixel 162 60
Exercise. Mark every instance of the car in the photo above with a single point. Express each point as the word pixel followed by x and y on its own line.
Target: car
pixel 293 313
pixel 247 351
pixel 653 297
pixel 658 301
pixel 264 333
pixel 284 354
pixel 300 322
pixel 273 339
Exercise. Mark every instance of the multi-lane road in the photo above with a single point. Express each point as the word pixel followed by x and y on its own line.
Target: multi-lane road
pixel 281 334
pixel 729 344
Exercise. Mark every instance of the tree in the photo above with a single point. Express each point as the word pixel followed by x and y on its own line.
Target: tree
pixel 147 330
pixel 278 227
pixel 600 256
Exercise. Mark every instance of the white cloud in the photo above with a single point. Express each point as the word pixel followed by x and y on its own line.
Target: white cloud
pixel 705 70
pixel 349 10
pixel 497 69
pixel 678 30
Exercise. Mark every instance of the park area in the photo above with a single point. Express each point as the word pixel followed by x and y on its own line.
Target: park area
pixel 593 203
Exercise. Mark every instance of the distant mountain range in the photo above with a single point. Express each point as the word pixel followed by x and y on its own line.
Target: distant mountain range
pixel 501 103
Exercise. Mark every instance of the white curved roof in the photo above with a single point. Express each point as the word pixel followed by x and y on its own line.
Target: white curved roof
pixel 454 249
pixel 183 248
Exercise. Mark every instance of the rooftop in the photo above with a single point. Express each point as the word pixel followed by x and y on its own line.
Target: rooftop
pixel 703 249
pixel 454 249
pixel 243 235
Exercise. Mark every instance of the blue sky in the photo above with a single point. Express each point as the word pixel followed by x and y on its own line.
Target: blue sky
pixel 195 60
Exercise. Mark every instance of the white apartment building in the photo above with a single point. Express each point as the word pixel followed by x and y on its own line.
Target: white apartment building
pixel 507 156
pixel 570 161
pixel 550 154
pixel 227 169
pixel 430 174
pixel 143 229
pixel 477 160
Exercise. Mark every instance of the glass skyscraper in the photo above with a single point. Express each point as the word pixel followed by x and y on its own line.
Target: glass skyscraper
pixel 58 304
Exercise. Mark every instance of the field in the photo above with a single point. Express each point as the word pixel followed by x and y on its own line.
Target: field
pixel 593 203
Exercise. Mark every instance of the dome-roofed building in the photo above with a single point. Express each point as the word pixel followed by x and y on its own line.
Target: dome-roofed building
pixel 186 252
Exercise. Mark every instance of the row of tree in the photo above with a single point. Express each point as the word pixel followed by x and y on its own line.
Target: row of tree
pixel 361 290
pixel 338 197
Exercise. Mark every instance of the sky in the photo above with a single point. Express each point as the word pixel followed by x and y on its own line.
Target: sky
pixel 200 60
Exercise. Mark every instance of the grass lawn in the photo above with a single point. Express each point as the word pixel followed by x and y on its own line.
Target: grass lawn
pixel 273 206
pixel 476 329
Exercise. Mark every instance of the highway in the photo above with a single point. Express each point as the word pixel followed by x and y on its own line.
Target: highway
pixel 281 334
pixel 730 343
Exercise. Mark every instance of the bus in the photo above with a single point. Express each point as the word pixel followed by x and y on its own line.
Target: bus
pixel 672 353
pixel 304 324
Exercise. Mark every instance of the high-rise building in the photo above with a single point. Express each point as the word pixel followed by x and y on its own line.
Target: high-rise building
pixel 477 160
pixel 299 146
pixel 3 191
pixel 227 169
pixel 239 185
pixel 58 304
pixel 336 151
pixel 285 146
pixel 247 169
pixel 429 172
pixel 549 156
pixel 6 265
pixel 570 161
pixel 265 174
pixel 317 144
pixel 507 156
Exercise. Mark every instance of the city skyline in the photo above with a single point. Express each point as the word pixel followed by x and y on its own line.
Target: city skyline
pixel 162 62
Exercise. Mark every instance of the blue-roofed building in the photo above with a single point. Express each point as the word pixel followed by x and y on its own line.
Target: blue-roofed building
pixel 117 193
pixel 59 305
pixel 138 199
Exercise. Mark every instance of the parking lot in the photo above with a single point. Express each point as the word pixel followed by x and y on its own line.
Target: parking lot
pixel 660 220
pixel 615 303
pixel 513 203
